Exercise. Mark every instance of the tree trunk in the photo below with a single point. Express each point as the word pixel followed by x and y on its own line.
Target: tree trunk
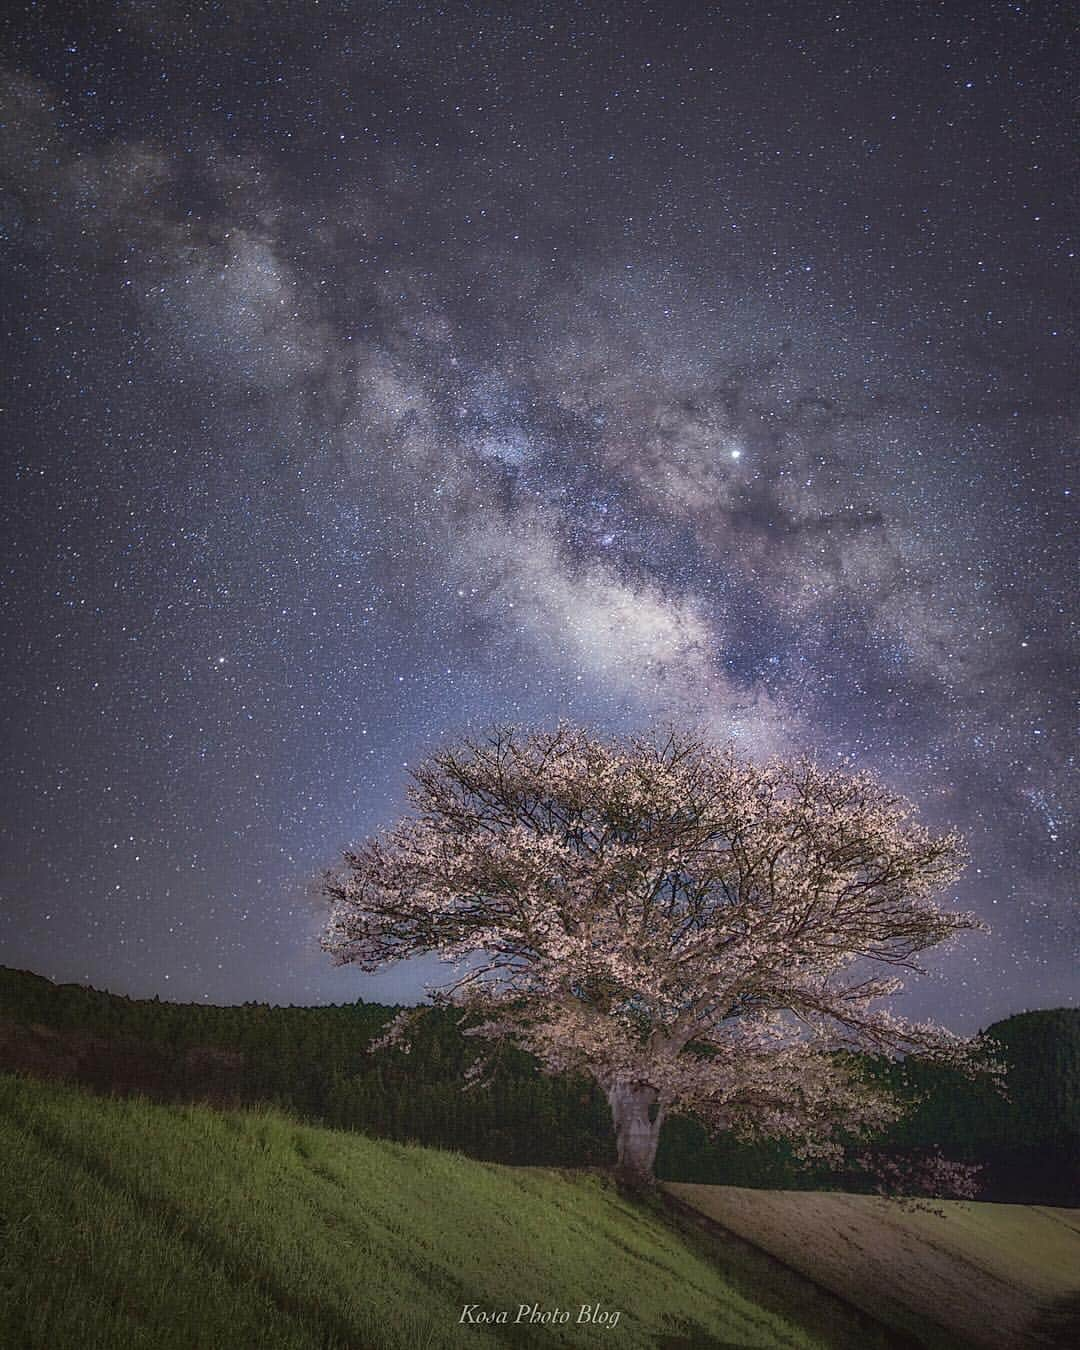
pixel 637 1119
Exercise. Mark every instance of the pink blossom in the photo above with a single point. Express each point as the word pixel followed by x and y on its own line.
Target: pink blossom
pixel 696 933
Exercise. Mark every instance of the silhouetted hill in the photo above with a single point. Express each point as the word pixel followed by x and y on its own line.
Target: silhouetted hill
pixel 1028 1138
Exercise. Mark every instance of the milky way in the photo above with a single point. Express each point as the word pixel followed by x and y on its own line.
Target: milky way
pixel 377 372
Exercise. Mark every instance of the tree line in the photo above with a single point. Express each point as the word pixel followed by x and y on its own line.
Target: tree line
pixel 317 1062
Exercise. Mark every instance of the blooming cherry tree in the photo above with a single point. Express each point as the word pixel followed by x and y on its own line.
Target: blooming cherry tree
pixel 698 934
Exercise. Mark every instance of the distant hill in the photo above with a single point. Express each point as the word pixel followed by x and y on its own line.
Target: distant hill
pixel 1029 1138
pixel 316 1062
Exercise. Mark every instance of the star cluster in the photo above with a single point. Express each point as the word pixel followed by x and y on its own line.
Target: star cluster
pixel 380 371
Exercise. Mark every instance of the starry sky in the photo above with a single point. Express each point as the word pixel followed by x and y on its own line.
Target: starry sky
pixel 378 371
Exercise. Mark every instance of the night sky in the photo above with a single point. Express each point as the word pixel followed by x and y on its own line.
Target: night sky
pixel 374 372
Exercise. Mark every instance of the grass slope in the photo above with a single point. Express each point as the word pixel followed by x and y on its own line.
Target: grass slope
pixel 1003 1276
pixel 133 1224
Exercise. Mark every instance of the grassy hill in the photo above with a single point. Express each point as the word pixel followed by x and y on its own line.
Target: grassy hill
pixel 128 1223
pixel 996 1276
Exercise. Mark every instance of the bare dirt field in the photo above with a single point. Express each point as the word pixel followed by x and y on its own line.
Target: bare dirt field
pixel 1000 1276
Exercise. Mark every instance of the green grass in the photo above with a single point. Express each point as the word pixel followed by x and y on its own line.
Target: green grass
pixel 1000 1276
pixel 130 1224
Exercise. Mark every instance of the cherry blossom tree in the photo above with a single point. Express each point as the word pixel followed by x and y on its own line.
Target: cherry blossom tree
pixel 698 934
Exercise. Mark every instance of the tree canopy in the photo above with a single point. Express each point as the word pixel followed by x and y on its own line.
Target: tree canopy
pixel 699 934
